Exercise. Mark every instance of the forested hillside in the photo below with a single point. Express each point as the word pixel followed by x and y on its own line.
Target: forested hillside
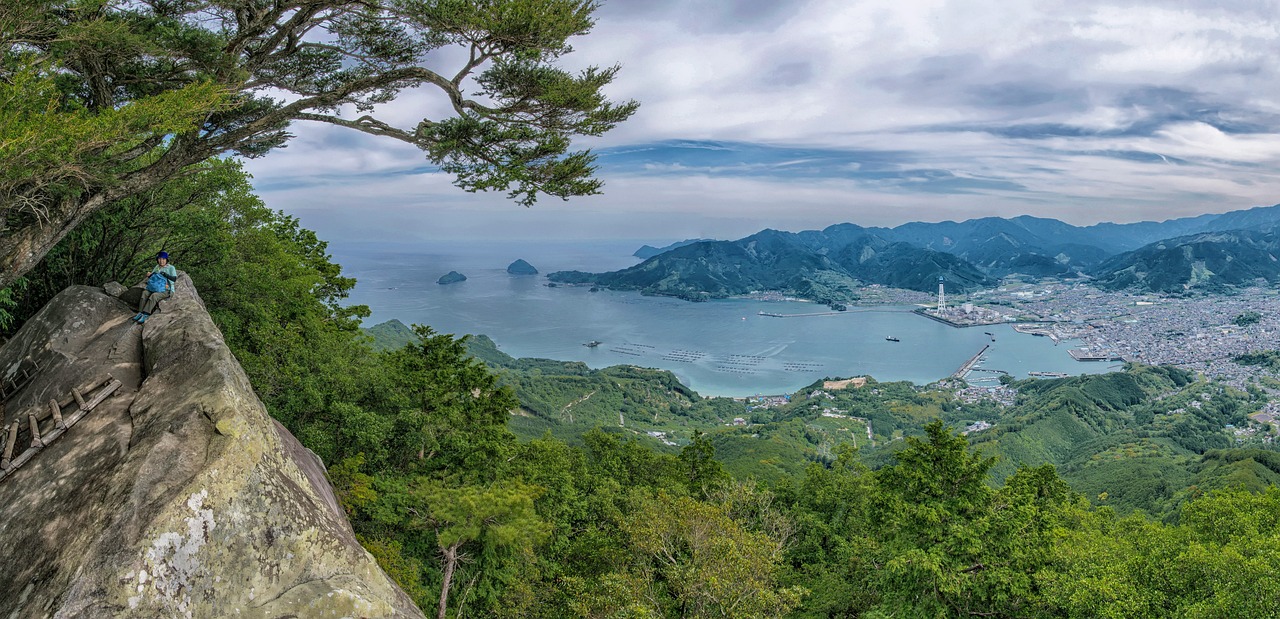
pixel 1204 253
pixel 1144 439
pixel 823 266
pixel 782 517
pixel 1212 262
pixel 488 486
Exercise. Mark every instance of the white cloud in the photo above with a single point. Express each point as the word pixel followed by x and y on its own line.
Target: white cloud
pixel 1197 139
pixel 949 81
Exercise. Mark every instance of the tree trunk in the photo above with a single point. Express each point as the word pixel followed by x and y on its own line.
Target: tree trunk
pixel 450 562
pixel 22 248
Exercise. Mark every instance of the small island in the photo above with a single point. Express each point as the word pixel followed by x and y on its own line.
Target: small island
pixel 452 277
pixel 520 267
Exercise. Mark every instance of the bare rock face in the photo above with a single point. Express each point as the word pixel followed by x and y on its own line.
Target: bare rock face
pixel 114 289
pixel 177 496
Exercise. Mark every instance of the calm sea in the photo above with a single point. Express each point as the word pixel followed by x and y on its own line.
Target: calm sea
pixel 718 348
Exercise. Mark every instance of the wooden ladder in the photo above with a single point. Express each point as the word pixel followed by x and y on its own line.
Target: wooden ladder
pixel 26 371
pixel 96 392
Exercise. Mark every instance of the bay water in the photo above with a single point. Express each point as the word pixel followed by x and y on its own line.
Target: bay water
pixel 720 347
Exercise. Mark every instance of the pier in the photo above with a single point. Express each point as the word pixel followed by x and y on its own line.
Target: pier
pixel 1080 354
pixel 968 365
pixel 923 311
pixel 1032 329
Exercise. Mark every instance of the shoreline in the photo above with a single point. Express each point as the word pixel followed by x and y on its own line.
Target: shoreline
pixel 778 370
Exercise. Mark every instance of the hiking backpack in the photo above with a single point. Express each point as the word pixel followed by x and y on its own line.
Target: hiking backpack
pixel 157 282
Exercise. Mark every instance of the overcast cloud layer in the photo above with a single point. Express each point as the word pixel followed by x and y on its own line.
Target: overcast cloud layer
pixel 801 114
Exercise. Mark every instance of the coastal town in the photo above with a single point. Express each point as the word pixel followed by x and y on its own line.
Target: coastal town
pixel 1199 333
pixel 1205 334
pixel 1220 337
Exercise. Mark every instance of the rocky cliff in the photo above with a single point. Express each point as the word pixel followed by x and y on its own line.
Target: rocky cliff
pixel 177 496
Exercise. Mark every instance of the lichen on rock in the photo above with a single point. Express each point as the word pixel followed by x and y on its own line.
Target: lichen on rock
pixel 176 497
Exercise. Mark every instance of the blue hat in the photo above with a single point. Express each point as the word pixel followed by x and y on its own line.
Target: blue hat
pixel 163 254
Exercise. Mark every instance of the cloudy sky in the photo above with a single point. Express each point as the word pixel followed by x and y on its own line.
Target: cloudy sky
pixel 803 113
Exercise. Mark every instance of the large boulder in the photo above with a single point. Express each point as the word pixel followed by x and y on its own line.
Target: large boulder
pixel 115 289
pixel 178 496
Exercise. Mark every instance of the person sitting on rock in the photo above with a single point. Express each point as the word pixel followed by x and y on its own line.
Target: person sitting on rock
pixel 159 287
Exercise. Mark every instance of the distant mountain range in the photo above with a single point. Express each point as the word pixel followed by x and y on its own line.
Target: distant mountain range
pixel 824 266
pixel 1207 252
pixel 648 251
pixel 1209 261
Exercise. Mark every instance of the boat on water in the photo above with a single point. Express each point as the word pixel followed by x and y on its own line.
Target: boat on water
pixel 892 339
pixel 593 343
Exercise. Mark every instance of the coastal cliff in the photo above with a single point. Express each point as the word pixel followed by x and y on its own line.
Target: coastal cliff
pixel 177 495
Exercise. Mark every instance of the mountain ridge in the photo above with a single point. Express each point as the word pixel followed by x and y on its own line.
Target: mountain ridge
pixel 648 251
pixel 1208 261
pixel 827 265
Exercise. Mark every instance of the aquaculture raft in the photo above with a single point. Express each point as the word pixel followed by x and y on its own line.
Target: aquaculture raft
pixel 83 401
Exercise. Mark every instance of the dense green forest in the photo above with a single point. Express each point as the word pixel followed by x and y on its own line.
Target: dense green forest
pixel 449 465
pixel 488 486
pixel 1145 439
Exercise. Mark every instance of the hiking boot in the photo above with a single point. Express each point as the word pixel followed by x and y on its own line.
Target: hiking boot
pixel 136 317
pixel 142 318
